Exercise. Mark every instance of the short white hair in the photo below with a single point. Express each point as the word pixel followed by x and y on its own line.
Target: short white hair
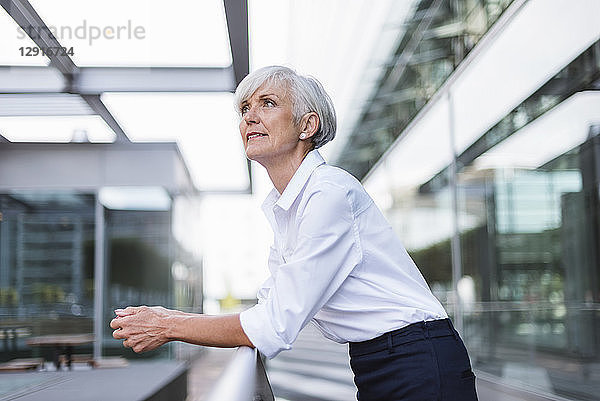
pixel 307 94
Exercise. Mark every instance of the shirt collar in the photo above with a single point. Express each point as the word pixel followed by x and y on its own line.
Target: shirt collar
pixel 312 160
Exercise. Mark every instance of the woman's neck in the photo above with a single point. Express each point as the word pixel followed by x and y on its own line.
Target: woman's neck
pixel 281 170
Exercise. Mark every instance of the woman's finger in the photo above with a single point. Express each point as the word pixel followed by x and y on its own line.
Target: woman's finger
pixel 115 324
pixel 119 334
pixel 130 310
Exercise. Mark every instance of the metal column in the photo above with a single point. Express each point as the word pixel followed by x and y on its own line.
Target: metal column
pixel 99 270
pixel 455 248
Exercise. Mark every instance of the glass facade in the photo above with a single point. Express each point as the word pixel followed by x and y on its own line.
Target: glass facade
pixel 439 35
pixel 47 275
pixel 505 228
pixel 46 266
pixel 138 260
pixel 532 258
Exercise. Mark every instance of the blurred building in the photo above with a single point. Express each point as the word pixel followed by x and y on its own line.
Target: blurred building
pixel 479 140
pixel 80 237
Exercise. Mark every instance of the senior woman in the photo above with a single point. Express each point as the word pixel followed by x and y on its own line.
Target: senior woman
pixel 335 262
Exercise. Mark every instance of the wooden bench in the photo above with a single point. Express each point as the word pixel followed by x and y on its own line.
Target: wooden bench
pixel 61 343
pixel 88 359
pixel 111 362
pixel 105 362
pixel 21 364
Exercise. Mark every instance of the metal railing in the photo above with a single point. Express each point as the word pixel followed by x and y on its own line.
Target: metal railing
pixel 244 379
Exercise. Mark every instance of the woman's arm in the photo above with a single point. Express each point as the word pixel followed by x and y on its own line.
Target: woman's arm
pixel 145 328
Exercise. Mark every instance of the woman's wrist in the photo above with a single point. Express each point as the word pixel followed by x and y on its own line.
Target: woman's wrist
pixel 173 324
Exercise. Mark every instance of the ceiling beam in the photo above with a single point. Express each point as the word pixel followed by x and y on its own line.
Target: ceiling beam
pixel 100 109
pixel 97 80
pixel 236 12
pixel 22 79
pixel 88 166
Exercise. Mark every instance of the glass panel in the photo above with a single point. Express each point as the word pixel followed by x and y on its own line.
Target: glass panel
pixel 46 268
pixel 188 269
pixel 205 126
pixel 56 129
pixel 47 251
pixel 13 39
pixel 145 263
pixel 138 264
pixel 140 32
pixel 429 136
pixel 434 42
pixel 545 36
pixel 566 126
pixel 533 252
pixel 528 224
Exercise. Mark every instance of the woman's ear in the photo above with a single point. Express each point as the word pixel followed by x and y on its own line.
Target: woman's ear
pixel 309 125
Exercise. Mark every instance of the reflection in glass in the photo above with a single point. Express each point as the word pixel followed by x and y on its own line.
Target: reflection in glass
pixel 46 266
pixel 138 262
pixel 47 272
pixel 539 280
pixel 438 36
pixel 528 226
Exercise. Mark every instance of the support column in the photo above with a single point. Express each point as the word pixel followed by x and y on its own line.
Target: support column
pixel 99 270
pixel 20 264
pixel 455 248
pixel 4 250
pixel 77 266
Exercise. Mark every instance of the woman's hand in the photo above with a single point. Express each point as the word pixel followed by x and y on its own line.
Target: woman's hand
pixel 143 328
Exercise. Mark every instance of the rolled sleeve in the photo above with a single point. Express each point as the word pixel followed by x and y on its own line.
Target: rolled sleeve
pixel 257 325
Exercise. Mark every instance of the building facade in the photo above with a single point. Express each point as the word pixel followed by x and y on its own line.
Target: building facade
pixel 77 241
pixel 480 143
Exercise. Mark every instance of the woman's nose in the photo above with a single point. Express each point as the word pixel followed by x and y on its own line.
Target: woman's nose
pixel 251 116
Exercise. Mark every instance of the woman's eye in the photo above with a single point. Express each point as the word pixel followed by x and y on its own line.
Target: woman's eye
pixel 244 110
pixel 269 103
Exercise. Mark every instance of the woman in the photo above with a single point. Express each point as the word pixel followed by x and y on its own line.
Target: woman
pixel 335 261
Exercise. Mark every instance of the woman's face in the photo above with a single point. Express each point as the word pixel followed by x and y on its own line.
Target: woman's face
pixel 267 126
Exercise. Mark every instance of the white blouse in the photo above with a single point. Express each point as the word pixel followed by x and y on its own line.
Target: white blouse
pixel 335 260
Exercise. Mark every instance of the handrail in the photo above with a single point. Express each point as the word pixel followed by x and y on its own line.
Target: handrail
pixel 244 379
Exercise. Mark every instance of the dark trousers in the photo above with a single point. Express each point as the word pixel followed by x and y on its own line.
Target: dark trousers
pixel 425 361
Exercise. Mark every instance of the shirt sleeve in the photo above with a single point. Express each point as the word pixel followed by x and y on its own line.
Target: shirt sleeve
pixel 326 252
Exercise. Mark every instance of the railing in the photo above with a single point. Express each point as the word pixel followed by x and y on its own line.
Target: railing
pixel 244 379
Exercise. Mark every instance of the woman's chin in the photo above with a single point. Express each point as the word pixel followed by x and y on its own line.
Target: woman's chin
pixel 252 154
pixel 256 153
